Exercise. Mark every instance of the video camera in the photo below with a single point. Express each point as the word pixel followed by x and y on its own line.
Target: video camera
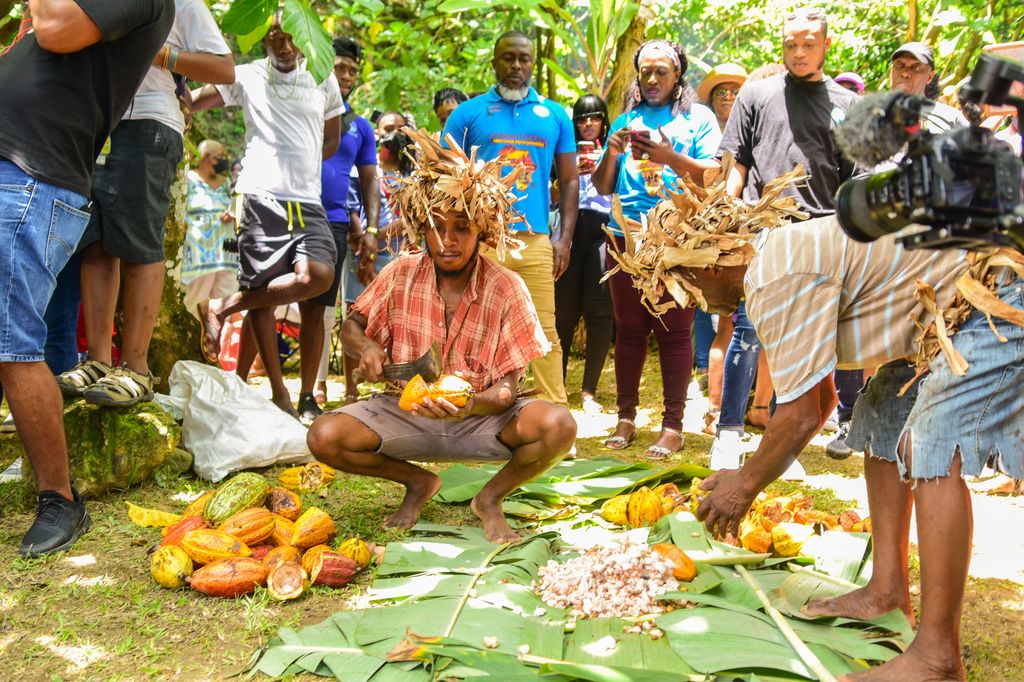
pixel 964 185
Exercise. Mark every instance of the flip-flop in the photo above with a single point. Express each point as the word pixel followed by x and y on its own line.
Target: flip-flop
pixel 621 442
pixel 659 452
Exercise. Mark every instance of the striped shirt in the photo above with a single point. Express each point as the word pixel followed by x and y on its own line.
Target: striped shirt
pixel 821 301
pixel 495 330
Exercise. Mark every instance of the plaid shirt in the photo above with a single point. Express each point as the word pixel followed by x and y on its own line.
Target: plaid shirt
pixel 495 330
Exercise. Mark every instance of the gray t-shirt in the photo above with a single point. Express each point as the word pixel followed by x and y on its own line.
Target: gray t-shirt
pixel 780 122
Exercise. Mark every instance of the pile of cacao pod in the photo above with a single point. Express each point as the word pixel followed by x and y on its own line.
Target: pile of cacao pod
pixel 643 506
pixel 246 534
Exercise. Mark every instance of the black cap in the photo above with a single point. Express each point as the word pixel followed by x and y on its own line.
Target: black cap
pixel 346 47
pixel 918 51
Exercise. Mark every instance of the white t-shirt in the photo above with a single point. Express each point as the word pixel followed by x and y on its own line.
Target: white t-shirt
pixel 194 30
pixel 284 129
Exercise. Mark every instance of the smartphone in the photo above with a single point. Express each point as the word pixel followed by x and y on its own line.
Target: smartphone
pixel 639 134
pixel 585 149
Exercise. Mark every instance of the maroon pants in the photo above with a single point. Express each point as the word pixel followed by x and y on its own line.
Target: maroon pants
pixel 633 327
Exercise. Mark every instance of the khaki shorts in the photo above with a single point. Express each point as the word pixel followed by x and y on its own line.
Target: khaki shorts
pixel 422 439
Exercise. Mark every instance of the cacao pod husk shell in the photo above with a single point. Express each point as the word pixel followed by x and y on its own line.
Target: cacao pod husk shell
pixel 241 492
pixel 232 577
pixel 252 526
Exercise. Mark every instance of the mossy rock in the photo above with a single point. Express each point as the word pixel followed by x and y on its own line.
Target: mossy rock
pixel 112 449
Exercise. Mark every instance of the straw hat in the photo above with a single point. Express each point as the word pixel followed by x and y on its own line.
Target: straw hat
pixel 723 73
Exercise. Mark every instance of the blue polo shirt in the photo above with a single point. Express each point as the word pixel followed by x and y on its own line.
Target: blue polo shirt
pixel 358 147
pixel 639 183
pixel 527 133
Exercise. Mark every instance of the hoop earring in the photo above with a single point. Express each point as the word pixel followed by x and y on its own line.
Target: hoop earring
pixel 637 97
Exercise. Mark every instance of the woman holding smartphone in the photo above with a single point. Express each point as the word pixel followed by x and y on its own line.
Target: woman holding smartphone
pixel 579 291
pixel 662 135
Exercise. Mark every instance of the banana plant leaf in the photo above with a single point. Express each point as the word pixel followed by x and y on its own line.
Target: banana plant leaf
pixel 840 554
pixel 602 641
pixel 581 482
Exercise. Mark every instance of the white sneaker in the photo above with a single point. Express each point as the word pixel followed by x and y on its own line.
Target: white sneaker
pixel 831 424
pixel 8 425
pixel 727 451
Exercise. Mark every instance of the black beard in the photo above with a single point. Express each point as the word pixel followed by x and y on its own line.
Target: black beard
pixel 468 267
pixel 811 75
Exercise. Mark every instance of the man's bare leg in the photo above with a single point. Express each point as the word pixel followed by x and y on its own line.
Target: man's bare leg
pixel 38 409
pixel 307 279
pixel 944 528
pixel 143 287
pixel 311 343
pixel 247 351
pixel 539 436
pixel 347 444
pixel 890 504
pixel 101 276
pixel 265 333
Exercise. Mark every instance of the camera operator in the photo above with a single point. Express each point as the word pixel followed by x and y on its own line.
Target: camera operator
pixel 912 70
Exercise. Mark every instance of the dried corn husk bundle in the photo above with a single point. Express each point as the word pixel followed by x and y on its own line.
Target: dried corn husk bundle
pixel 621 580
pixel 697 227
pixel 975 291
pixel 448 180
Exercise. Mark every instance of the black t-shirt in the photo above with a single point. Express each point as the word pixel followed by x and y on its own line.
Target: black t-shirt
pixel 57 110
pixel 780 122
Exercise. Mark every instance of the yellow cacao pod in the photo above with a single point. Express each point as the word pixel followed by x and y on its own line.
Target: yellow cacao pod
pixel 283 529
pixel 756 539
pixel 614 510
pixel 455 390
pixel 310 556
pixel 170 566
pixel 286 580
pixel 697 494
pixel 284 502
pixel 643 508
pixel 312 476
pixel 789 538
pixel 314 527
pixel 198 505
pixel 207 545
pixel 356 550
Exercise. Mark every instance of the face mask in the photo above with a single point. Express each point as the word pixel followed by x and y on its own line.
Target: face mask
pixel 220 166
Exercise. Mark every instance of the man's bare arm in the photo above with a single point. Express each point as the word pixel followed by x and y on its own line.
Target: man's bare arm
pixel 62 26
pixel 357 344
pixel 204 67
pixel 332 137
pixel 206 97
pixel 737 180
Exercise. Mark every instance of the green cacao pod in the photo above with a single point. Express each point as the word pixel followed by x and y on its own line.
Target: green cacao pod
pixel 241 492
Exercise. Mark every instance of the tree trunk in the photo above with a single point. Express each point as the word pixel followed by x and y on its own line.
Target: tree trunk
pixel 912 23
pixel 176 334
pixel 623 72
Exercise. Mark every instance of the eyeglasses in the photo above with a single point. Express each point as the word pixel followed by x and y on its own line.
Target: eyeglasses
pixel 590 118
pixel 722 93
pixel 916 68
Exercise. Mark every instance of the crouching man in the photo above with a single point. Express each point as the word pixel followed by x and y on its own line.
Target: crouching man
pixel 481 316
pixel 818 301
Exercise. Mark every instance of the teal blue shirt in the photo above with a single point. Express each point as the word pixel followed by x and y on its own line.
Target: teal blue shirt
pixel 637 182
pixel 527 133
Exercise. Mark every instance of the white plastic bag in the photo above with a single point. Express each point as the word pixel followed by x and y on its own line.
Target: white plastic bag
pixel 228 426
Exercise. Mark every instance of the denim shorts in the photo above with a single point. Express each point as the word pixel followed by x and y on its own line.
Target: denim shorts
pixel 981 413
pixel 40 225
pixel 880 412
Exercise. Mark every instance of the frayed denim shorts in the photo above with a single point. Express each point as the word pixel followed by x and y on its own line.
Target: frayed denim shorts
pixel 980 414
pixel 40 226
pixel 880 412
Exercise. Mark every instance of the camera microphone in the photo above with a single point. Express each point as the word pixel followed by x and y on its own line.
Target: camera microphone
pixel 877 127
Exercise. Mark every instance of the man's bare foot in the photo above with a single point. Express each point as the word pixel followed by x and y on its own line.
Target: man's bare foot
pixel 918 665
pixel 350 398
pixel 496 527
pixel 758 415
pixel 212 326
pixel 416 496
pixel 862 604
pixel 320 395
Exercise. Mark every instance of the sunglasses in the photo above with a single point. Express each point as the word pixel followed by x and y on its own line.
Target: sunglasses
pixel 722 93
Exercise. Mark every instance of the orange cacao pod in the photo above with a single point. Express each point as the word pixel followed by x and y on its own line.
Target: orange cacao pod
pixel 333 570
pixel 176 531
pixel 314 527
pixel 279 554
pixel 284 502
pixel 206 546
pixel 283 529
pixel 231 577
pixel 683 567
pixel 252 526
pixel 286 580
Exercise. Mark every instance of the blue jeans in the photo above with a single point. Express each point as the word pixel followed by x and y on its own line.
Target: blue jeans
pixel 40 227
pixel 703 337
pixel 740 368
pixel 62 318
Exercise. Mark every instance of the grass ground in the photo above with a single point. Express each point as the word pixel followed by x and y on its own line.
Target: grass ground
pixel 94 613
